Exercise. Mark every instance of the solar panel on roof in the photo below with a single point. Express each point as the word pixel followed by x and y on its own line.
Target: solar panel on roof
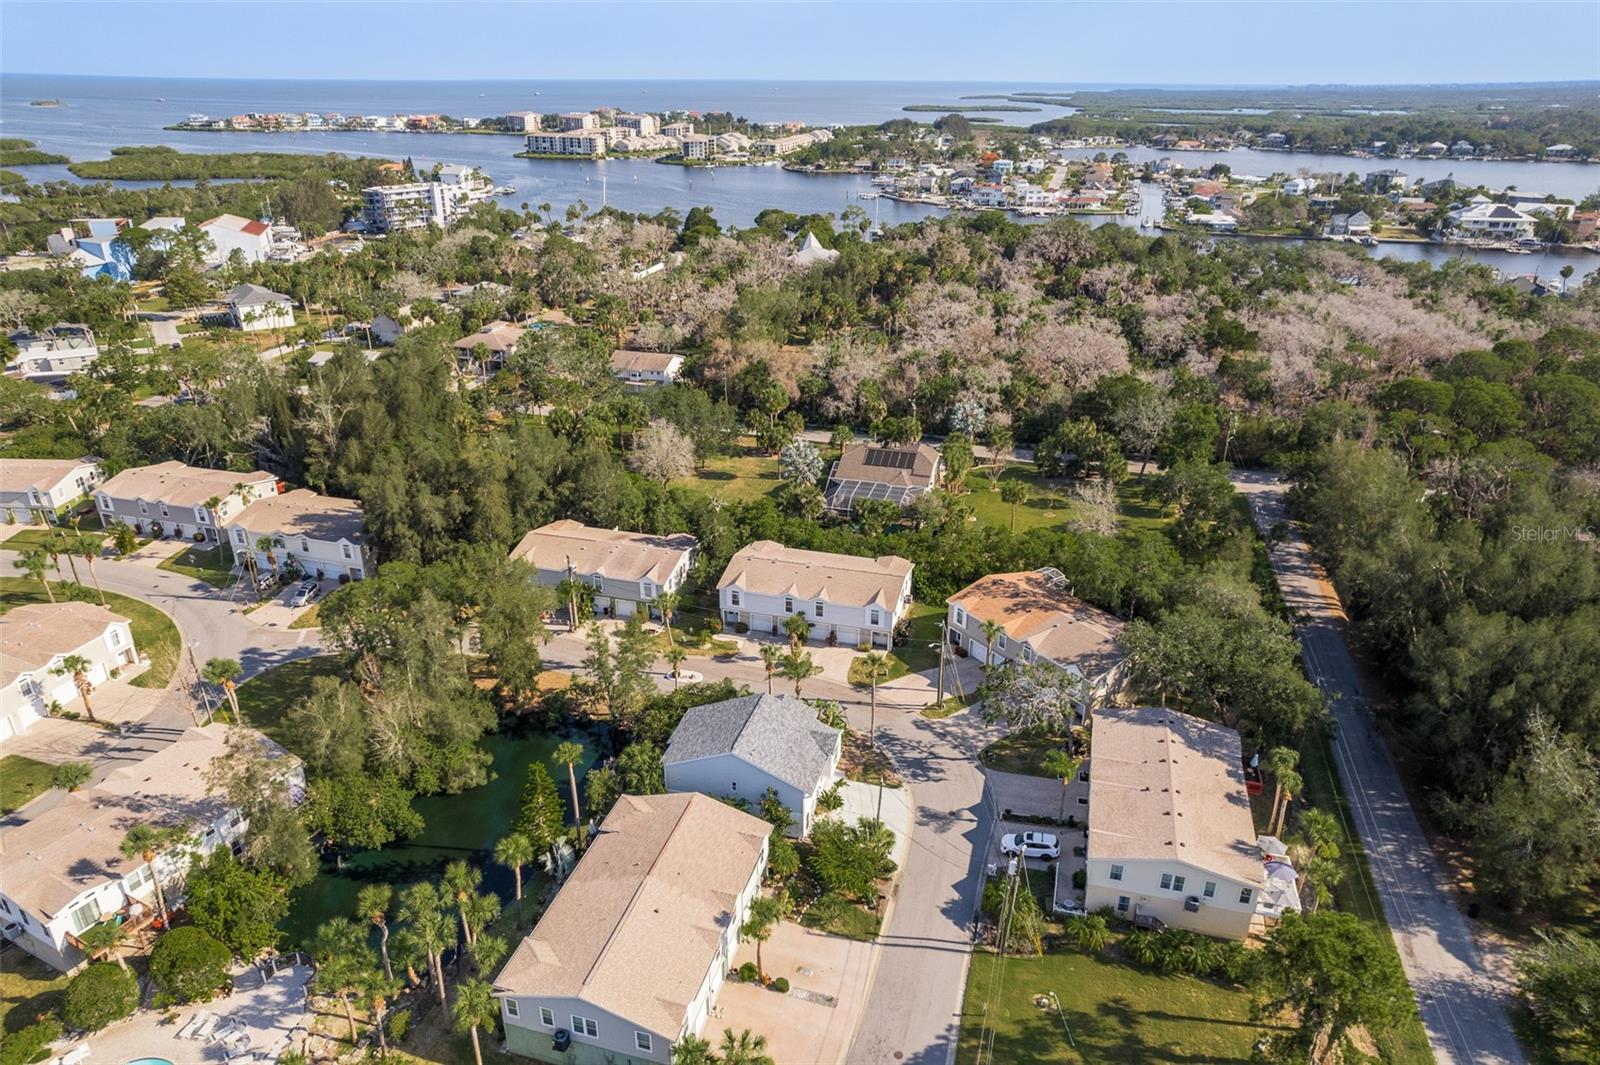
pixel 894 460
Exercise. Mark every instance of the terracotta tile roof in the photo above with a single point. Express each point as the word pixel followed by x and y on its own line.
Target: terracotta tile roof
pixel 1057 625
pixel 636 927
pixel 1165 785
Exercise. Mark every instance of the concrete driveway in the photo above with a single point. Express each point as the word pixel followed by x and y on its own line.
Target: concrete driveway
pixel 1461 1000
pixel 813 1023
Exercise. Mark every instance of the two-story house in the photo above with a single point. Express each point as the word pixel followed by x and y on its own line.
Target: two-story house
pixel 253 308
pixel 1171 840
pixel 645 369
pixel 171 499
pixel 630 955
pixel 624 569
pixel 64 871
pixel 1031 617
pixel 36 637
pixel 847 599
pixel 35 490
pixel 317 536
pixel 480 355
pixel 53 353
pixel 738 748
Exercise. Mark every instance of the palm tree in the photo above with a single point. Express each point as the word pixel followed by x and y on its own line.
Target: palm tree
pixel 77 667
pixel 372 903
pixel 381 991
pixel 692 1050
pixel 149 842
pixel 744 1048
pixel 1014 492
pixel 475 1007
pixel 514 852
pixel 52 550
pixel 37 564
pixel 993 631
pixel 221 672
pixel 338 951
pixel 1089 932
pixel 1278 761
pixel 88 548
pixel 266 546
pixel 675 656
pixel 771 655
pixel 668 603
pixel 798 668
pixel 105 939
pixel 1289 783
pixel 569 754
pixel 422 908
pixel 799 630
pixel 461 881
pixel 765 913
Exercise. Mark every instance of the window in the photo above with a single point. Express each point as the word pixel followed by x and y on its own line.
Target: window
pixel 1177 883
pixel 164 512
pixel 84 915
pixel 511 1007
pixel 547 1016
pixel 1210 891
pixel 585 1026
pixel 961 616
pixel 345 548
pixel 238 534
pixel 1000 641
pixel 647 590
pixel 641 1040
pixel 116 637
pixel 105 502
pixel 142 508
pixel 877 618
pixel 29 688
pixel 5 907
pixel 1082 801
pixel 788 605
pixel 734 785
pixel 1166 881
pixel 202 515
pixel 1244 896
pixel 305 545
pixel 1027 653
pixel 1116 872
pixel 1122 903
pixel 818 605
pixel 733 598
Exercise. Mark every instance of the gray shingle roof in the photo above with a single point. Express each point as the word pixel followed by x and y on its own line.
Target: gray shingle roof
pixel 777 734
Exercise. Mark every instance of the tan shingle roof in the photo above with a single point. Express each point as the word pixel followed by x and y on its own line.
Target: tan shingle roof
pixel 1165 785
pixel 47 861
pixel 176 484
pixel 610 553
pixel 912 466
pixel 496 336
pixel 768 568
pixel 34 633
pixel 19 475
pixel 637 924
pixel 643 361
pixel 1054 623
pixel 304 513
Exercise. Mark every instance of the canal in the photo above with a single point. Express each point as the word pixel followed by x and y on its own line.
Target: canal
pixel 459 827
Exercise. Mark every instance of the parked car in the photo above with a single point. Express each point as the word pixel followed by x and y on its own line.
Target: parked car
pixel 304 594
pixel 1030 845
pixel 266 580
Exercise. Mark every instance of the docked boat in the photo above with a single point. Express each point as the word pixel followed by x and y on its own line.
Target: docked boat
pixel 870 194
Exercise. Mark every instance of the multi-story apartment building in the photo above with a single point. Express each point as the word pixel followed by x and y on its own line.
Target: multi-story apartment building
pixel 626 570
pixel 173 500
pixel 592 142
pixel 313 535
pixel 578 120
pixel 849 600
pixel 33 490
pixel 641 125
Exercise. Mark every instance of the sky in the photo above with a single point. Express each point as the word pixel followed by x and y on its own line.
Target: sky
pixel 1272 42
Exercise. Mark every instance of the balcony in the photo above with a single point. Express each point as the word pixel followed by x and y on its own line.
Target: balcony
pixel 136 918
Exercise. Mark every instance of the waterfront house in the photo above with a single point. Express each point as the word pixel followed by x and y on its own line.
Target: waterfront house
pixel 1171 840
pixel 1298 186
pixel 1039 620
pixel 1383 182
pixel 696 146
pixel 738 748
pixel 1558 151
pixel 499 338
pixel 1493 221
pixel 645 369
pixel 624 570
pixel 311 535
pixel 253 308
pixel 589 142
pixel 36 637
pixel 65 872
pixel 52 353
pixel 629 956
pixel 229 233
pixel 174 500
pixel 878 471
pixel 848 600
pixel 32 490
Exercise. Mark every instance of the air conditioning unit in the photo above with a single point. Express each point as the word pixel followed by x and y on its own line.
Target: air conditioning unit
pixel 562 1041
pixel 1192 904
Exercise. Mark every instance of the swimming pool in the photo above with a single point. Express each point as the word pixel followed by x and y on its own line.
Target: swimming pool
pixel 150 1061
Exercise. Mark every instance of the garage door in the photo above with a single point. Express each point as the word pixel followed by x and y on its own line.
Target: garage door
pixel 849 637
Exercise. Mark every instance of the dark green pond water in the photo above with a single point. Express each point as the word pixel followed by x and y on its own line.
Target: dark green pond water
pixel 465 826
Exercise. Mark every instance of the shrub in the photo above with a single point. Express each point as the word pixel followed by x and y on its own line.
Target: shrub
pixel 71 775
pixel 25 1045
pixel 190 964
pixel 1141 947
pixel 749 973
pixel 102 993
pixel 781 985
pixel 1079 879
pixel 1072 821
pixel 399 1023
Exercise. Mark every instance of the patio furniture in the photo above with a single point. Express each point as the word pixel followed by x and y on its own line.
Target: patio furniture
pixel 205 1026
pixel 225 1031
pixel 189 1026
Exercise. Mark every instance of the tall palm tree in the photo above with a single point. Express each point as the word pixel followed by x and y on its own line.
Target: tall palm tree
pixel 372 904
pixel 1013 492
pixel 88 548
pixel 875 667
pixel 799 630
pixel 461 881
pixel 475 1007
pixel 1278 761
pixel 37 565
pixel 338 950
pixel 771 656
pixel 1289 783
pixel 149 842
pixel 514 852
pixel 77 667
pixel 267 547
pixel 798 668
pixel 381 989
pixel 992 632
pixel 668 603
pixel 429 927
pixel 222 672
pixel 744 1048
pixel 692 1050
pixel 569 754
pixel 759 924
pixel 675 657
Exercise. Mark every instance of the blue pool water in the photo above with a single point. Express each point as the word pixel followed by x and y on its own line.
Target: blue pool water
pixel 150 1061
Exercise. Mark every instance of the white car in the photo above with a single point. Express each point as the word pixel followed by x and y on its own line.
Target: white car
pixel 304 594
pixel 1030 845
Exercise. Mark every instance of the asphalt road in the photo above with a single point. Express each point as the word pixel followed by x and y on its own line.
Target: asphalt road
pixel 1462 1004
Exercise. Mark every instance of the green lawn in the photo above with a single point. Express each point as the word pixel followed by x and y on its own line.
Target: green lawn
pixel 1051 504
pixel 21 781
pixel 1117 1013
pixel 28 537
pixel 896 668
pixel 214 565
pixel 1021 753
pixel 265 698
pixel 852 922
pixel 736 478
pixel 28 987
pixel 154 634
